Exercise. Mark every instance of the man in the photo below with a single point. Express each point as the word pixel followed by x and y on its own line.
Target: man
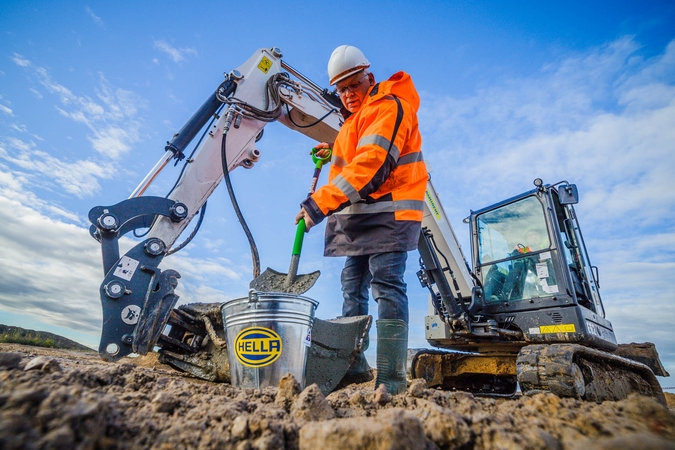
pixel 374 202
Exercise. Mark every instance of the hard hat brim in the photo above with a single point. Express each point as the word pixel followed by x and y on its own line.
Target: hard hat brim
pixel 347 73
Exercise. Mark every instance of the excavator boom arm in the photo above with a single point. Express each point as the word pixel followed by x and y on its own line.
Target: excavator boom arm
pixel 137 296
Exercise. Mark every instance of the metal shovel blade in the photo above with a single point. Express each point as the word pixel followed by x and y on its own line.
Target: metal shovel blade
pixel 272 281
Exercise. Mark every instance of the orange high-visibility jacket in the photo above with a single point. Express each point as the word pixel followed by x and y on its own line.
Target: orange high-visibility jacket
pixel 374 198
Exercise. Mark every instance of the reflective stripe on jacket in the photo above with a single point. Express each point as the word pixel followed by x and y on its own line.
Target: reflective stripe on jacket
pixel 375 193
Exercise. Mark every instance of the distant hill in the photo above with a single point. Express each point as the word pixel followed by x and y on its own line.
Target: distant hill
pixel 18 335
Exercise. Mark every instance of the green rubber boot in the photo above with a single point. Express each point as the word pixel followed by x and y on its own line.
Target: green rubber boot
pixel 392 350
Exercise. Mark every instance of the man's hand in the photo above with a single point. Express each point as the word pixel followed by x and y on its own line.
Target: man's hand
pixel 309 223
pixel 324 149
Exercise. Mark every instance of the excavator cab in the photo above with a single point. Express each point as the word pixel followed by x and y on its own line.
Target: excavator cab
pixel 530 257
pixel 534 286
pixel 534 318
pixel 532 279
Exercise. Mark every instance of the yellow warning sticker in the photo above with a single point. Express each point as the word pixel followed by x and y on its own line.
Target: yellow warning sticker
pixel 562 328
pixel 257 346
pixel 265 64
pixel 432 206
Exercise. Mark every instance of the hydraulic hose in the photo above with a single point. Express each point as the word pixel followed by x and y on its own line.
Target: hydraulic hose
pixel 202 211
pixel 226 175
pixel 318 121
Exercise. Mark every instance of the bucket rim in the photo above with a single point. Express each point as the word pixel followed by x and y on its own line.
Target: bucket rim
pixel 254 295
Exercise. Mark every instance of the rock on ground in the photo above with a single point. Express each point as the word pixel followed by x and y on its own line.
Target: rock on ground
pixel 73 400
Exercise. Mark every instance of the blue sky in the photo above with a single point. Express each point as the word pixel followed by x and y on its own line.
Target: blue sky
pixel 511 91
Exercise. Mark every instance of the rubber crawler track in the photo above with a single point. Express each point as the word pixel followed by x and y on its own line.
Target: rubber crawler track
pixel 571 370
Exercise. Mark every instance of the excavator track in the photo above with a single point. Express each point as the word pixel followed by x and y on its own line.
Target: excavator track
pixel 491 375
pixel 571 370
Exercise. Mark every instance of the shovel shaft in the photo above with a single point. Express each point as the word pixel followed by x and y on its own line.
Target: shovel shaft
pixel 292 271
pixel 315 180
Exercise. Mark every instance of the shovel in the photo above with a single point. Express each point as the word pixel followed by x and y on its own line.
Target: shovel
pixel 292 283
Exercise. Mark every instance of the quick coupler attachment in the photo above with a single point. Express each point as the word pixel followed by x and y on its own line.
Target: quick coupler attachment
pixel 137 297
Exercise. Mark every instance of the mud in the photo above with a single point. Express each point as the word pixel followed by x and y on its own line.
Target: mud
pixel 53 399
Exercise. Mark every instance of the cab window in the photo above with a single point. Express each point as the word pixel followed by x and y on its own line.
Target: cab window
pixel 517 227
pixel 514 252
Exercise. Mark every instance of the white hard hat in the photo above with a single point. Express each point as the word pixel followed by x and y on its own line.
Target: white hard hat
pixel 345 61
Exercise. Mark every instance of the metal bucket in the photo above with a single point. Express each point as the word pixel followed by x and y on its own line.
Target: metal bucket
pixel 268 335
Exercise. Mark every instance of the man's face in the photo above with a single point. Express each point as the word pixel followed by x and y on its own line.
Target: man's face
pixel 353 90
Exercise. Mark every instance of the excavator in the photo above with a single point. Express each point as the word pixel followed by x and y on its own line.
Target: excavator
pixel 527 315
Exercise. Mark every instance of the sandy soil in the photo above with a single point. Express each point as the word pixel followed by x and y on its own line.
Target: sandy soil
pixel 72 400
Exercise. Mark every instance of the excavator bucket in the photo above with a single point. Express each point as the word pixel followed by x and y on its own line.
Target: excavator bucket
pixel 645 353
pixel 272 281
pixel 335 344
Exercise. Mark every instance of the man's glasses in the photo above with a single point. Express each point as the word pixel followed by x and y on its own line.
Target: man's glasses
pixel 352 87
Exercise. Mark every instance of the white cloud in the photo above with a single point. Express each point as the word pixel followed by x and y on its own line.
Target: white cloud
pixel 176 54
pixel 20 60
pixel 111 141
pixel 97 20
pixel 569 119
pixel 54 87
pixel 9 180
pixel 112 119
pixel 603 120
pixel 6 110
pixel 49 267
pixel 79 178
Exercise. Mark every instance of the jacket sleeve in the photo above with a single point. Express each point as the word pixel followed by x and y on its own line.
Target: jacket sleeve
pixel 375 158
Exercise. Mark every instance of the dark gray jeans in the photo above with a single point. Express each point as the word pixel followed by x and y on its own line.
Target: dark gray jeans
pixel 383 273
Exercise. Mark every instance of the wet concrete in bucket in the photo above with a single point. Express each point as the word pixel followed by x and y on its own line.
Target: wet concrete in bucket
pixel 72 400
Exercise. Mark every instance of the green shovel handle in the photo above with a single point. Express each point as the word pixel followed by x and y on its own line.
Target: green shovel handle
pixel 299 235
pixel 302 227
pixel 318 161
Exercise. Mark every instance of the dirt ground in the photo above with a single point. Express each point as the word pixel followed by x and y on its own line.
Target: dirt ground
pixel 63 399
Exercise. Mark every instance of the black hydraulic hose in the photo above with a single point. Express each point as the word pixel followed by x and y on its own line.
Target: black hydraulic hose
pixel 202 211
pixel 145 233
pixel 473 275
pixel 226 175
pixel 311 124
